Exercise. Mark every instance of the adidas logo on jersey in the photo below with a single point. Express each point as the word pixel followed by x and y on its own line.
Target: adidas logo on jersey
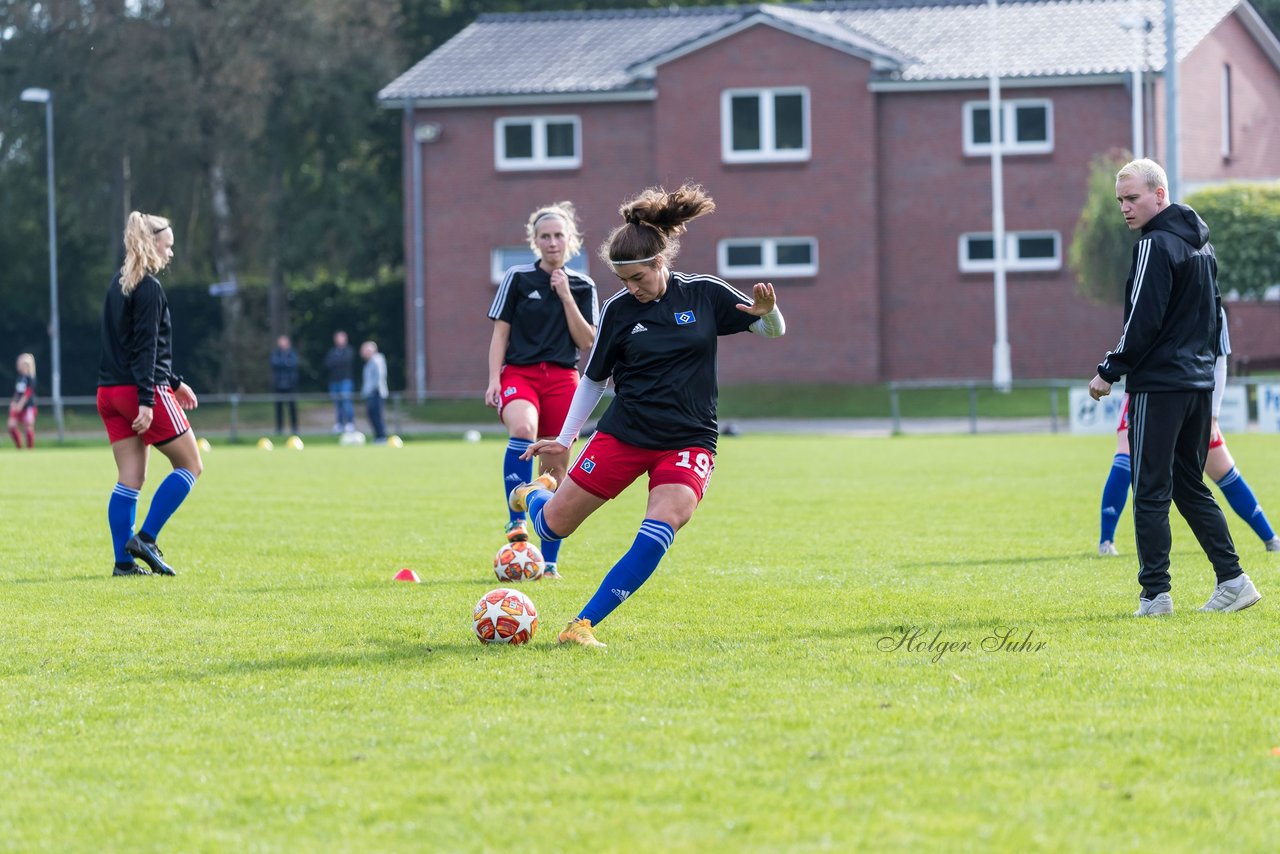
pixel 535 295
pixel 639 327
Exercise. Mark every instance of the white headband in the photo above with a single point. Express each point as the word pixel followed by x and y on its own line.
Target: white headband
pixel 618 262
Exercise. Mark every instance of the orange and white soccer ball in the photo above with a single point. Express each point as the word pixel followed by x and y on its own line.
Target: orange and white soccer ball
pixel 519 561
pixel 504 616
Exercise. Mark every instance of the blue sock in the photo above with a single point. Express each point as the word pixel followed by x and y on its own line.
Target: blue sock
pixel 122 509
pixel 631 571
pixel 173 490
pixel 1114 495
pixel 515 471
pixel 1241 498
pixel 550 550
pixel 535 501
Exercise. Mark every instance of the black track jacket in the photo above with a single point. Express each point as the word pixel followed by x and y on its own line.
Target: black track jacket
pixel 1172 308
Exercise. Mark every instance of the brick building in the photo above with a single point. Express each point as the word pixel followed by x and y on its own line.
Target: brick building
pixel 848 148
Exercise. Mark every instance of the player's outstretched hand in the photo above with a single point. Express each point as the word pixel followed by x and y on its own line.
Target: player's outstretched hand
pixel 549 449
pixel 764 300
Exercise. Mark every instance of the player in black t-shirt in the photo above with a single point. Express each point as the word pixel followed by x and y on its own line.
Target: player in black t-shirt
pixel 543 315
pixel 22 408
pixel 657 340
pixel 140 399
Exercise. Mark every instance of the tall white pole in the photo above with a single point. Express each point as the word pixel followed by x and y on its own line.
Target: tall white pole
pixel 45 96
pixel 419 274
pixel 1139 25
pixel 1172 160
pixel 1002 369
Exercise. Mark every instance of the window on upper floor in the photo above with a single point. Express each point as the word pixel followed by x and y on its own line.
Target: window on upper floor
pixel 1025 251
pixel 505 257
pixel 1026 127
pixel 538 142
pixel 762 125
pixel 767 257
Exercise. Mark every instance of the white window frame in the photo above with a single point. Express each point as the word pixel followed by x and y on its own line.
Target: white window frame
pixel 540 159
pixel 1012 263
pixel 768 126
pixel 503 258
pixel 1007 126
pixel 770 268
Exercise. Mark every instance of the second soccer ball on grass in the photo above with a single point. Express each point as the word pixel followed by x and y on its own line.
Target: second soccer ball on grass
pixel 518 561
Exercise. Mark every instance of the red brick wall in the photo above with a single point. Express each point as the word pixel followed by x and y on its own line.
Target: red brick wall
pixel 939 322
pixel 832 318
pixel 471 209
pixel 1255 108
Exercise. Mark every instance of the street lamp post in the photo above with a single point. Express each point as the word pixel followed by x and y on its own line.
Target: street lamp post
pixel 44 96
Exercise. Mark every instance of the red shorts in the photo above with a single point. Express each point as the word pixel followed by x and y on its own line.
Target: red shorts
pixel 26 416
pixel 118 406
pixel 1215 438
pixel 607 466
pixel 1124 416
pixel 548 387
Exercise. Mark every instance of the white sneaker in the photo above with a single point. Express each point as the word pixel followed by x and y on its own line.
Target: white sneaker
pixel 1273 544
pixel 1234 595
pixel 1106 547
pixel 1157 607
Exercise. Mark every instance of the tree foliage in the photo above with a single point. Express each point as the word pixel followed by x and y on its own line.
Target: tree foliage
pixel 1101 245
pixel 1244 226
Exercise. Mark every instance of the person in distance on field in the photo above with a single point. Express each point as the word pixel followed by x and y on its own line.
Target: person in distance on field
pixel 1167 349
pixel 284 379
pixel 658 339
pixel 22 408
pixel 1219 465
pixel 140 398
pixel 544 315
pixel 373 387
pixel 339 361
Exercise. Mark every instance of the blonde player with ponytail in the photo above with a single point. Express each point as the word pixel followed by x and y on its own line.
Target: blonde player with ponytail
pixel 140 398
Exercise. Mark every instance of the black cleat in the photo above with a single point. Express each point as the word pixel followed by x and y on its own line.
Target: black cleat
pixel 129 569
pixel 150 554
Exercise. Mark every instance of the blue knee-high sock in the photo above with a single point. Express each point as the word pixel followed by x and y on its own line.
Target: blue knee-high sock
pixel 515 471
pixel 122 509
pixel 1114 496
pixel 1241 498
pixel 173 490
pixel 550 550
pixel 631 571
pixel 535 501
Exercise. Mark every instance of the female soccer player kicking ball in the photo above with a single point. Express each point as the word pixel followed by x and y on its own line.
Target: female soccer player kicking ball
pixel 657 339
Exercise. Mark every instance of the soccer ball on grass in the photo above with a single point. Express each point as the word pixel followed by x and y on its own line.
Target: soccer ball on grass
pixel 519 561
pixel 504 616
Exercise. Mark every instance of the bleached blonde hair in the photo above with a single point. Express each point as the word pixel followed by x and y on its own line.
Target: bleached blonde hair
pixel 566 212
pixel 1151 172
pixel 141 250
pixel 27 364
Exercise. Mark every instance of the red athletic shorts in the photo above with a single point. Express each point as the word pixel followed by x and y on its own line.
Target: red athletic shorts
pixel 607 466
pixel 118 406
pixel 1123 426
pixel 26 416
pixel 548 387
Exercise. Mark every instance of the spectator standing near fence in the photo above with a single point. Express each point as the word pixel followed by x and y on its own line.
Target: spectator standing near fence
pixel 1167 350
pixel 340 362
pixel 284 379
pixel 22 408
pixel 373 387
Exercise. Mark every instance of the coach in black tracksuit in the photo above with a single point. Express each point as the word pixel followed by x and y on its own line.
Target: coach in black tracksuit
pixel 1167 351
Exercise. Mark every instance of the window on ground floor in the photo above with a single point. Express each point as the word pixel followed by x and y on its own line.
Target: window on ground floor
pixel 767 257
pixel 1024 251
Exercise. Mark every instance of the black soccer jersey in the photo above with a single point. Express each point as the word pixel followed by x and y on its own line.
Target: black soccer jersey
pixel 539 331
pixel 662 357
pixel 137 339
pixel 24 391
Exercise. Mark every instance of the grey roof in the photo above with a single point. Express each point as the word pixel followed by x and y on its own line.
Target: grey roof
pixel 602 53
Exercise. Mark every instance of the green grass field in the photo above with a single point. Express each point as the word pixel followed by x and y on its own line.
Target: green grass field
pixel 284 694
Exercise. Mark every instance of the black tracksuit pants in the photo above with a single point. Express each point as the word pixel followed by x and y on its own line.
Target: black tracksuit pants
pixel 1168 444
